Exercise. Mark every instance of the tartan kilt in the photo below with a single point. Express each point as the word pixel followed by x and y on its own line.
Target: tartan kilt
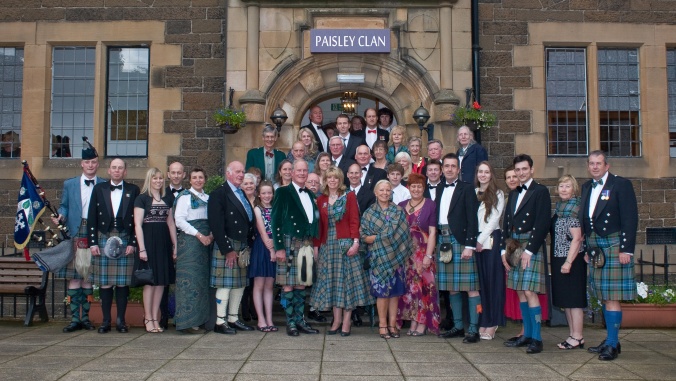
pixel 459 274
pixel 223 276
pixel 532 278
pixel 69 271
pixel 106 271
pixel 614 281
pixel 287 271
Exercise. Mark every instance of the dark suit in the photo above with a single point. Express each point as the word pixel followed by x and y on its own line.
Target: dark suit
pixel 344 165
pixel 228 219
pixel 380 135
pixel 427 193
pixel 101 217
pixel 365 198
pixel 462 213
pixel 533 215
pixel 256 158
pixel 352 144
pixel 475 154
pixel 320 146
pixel 373 175
pixel 617 214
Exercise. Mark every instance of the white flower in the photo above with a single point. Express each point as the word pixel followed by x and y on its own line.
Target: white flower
pixel 668 294
pixel 642 289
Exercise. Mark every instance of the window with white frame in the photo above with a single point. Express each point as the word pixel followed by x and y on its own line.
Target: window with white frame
pixel 11 94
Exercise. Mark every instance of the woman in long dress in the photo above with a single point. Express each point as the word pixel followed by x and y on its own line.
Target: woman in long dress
pixel 341 283
pixel 385 230
pixel 192 263
pixel 420 303
pixel 156 237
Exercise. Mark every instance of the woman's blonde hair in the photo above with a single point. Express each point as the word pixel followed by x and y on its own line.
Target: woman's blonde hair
pixel 312 149
pixel 336 172
pixel 152 172
pixel 570 179
pixel 404 134
pixel 407 169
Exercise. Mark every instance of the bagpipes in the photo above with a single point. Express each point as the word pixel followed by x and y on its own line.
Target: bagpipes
pixel 59 250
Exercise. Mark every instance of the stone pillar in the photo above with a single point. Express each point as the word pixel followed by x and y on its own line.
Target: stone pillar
pixel 446 49
pixel 253 34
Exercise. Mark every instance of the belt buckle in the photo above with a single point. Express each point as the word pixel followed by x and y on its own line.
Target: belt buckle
pixel 445 231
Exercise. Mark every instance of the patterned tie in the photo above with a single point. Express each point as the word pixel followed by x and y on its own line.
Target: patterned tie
pixel 594 183
pixel 244 201
pixel 269 154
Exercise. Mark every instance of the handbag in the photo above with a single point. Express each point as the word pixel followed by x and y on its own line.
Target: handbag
pixel 143 276
pixel 244 258
pixel 597 257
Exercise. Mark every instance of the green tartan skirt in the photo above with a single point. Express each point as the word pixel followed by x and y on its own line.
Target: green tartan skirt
pixel 107 271
pixel 458 274
pixel 614 281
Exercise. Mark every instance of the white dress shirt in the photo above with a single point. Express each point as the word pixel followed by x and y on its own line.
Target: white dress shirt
pixel 433 192
pixel 595 193
pixel 184 212
pixel 446 198
pixel 116 197
pixel 86 194
pixel 522 194
pixel 370 138
pixel 400 193
pixel 306 201
pixel 322 137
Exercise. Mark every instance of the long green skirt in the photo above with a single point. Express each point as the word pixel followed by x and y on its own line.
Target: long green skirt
pixel 192 279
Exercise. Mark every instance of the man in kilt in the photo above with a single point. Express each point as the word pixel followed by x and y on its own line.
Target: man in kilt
pixel 457 207
pixel 609 219
pixel 527 219
pixel 295 222
pixel 111 237
pixel 72 212
pixel 231 220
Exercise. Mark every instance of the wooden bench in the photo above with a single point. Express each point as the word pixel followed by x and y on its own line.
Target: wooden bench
pixel 19 277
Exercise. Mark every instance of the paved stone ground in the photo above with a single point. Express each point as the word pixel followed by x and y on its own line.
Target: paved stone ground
pixel 43 352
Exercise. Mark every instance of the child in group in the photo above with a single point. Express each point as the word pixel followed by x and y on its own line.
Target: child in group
pixel 399 192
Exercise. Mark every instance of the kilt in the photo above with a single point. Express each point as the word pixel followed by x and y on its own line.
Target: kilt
pixel 614 281
pixel 287 271
pixel 108 272
pixel 459 274
pixel 223 276
pixel 532 278
pixel 69 271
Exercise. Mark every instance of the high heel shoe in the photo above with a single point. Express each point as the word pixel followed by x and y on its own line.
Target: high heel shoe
pixel 159 330
pixel 566 345
pixel 385 335
pixel 487 336
pixel 394 332
pixel 145 322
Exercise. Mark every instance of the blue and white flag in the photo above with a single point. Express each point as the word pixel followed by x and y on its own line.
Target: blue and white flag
pixel 30 207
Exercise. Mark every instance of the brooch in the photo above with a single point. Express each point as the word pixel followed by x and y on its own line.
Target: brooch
pixel 605 195
pixel 324 205
pixel 128 195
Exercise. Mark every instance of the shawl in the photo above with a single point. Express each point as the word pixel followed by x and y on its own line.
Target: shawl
pixel 339 207
pixel 393 242
pixel 569 208
pixel 195 202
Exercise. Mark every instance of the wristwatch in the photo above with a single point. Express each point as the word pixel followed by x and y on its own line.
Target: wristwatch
pixel 429 256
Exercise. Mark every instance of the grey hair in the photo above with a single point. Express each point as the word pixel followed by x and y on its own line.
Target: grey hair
pixel 252 177
pixel 270 128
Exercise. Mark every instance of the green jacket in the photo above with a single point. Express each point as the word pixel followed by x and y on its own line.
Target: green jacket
pixel 289 218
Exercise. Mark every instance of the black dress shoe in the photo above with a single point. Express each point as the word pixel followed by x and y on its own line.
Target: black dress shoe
pixel 87 325
pixel 515 338
pixel 122 328
pixel 316 316
pixel 453 332
pixel 224 329
pixel 292 330
pixel 238 325
pixel 520 342
pixel 105 328
pixel 599 348
pixel 535 346
pixel 72 327
pixel 306 328
pixel 471 338
pixel 608 353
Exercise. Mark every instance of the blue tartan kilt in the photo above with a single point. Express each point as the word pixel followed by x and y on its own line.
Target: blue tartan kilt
pixel 69 271
pixel 614 281
pixel 223 276
pixel 107 271
pixel 287 271
pixel 533 277
pixel 459 274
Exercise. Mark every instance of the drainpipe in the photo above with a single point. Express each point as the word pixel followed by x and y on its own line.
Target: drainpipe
pixel 225 74
pixel 476 65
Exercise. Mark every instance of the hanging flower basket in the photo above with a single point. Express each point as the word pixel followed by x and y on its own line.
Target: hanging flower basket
pixel 229 120
pixel 473 117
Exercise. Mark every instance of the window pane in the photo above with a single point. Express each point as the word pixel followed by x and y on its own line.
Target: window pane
pixel 566 89
pixel 671 96
pixel 11 93
pixel 619 102
pixel 72 71
pixel 127 116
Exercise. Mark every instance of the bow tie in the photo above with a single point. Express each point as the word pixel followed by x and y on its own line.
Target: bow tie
pixel 300 190
pixel 450 185
pixel 430 186
pixel 372 131
pixel 176 190
pixel 90 182
pixel 594 183
pixel 520 188
pixel 269 154
pixel 114 187
pixel 364 169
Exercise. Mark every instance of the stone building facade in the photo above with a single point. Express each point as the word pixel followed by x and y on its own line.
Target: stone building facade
pixel 198 49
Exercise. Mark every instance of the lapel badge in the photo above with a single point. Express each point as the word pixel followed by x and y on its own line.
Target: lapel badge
pixel 605 195
pixel 128 195
pixel 324 205
pixel 382 137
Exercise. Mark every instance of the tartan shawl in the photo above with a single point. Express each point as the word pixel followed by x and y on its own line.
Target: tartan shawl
pixel 195 202
pixel 569 208
pixel 393 241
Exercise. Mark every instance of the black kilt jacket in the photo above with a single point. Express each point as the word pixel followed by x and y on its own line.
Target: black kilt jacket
pixel 101 219
pixel 228 219
pixel 533 215
pixel 462 213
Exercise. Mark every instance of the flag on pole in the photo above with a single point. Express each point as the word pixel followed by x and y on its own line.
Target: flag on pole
pixel 30 207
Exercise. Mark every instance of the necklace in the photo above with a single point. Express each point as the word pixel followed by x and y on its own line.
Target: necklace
pixel 158 200
pixel 411 208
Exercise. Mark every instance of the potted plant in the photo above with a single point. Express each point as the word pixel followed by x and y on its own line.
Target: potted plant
pixel 473 117
pixel 229 119
pixel 134 314
pixel 654 306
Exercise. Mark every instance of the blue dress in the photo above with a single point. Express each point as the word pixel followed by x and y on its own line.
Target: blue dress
pixel 260 264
